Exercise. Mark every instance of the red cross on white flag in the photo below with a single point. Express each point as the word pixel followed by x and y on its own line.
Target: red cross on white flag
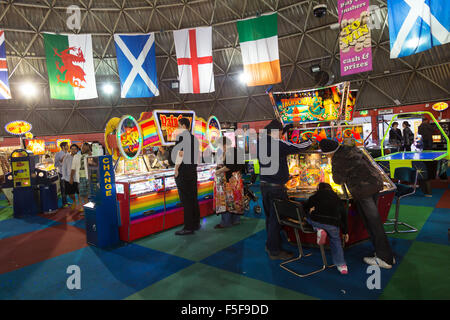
pixel 194 57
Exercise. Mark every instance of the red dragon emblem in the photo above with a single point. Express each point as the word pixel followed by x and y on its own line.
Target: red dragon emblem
pixel 74 74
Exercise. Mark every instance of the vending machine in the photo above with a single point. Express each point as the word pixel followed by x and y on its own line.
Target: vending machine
pixel 101 213
pixel 25 197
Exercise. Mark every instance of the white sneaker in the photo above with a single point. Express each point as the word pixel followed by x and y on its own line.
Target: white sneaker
pixel 374 261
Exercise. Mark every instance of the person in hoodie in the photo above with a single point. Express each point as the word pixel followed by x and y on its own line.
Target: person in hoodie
pixel 327 215
pixel 274 174
pixel 351 167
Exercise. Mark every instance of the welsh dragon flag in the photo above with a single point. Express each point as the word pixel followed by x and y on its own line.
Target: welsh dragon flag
pixel 70 66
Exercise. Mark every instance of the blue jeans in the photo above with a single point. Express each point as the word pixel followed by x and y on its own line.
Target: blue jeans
pixel 337 253
pixel 273 228
pixel 229 219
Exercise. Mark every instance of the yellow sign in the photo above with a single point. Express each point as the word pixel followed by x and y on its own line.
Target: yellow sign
pixel 18 127
pixel 21 173
pixel 440 106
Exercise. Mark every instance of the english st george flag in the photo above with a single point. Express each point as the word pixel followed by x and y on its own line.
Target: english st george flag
pixel 5 92
pixel 194 58
pixel 137 66
pixel 258 38
pixel 70 66
pixel 417 25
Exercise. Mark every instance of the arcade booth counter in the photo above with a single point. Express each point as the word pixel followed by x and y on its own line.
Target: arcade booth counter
pixel 147 198
pixel 307 111
pixel 429 163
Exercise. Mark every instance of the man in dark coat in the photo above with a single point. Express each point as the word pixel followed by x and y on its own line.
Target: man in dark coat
pixel 395 135
pixel 426 131
pixel 352 168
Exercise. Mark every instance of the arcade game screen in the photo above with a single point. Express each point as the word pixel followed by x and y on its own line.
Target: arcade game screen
pixel 349 135
pixel 308 170
pixel 310 106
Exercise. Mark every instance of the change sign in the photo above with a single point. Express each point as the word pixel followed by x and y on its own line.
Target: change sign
pixel 354 39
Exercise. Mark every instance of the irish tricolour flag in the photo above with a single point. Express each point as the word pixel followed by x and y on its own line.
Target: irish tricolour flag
pixel 70 66
pixel 259 47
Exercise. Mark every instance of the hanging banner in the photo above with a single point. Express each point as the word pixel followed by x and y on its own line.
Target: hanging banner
pixel 317 105
pixel 355 39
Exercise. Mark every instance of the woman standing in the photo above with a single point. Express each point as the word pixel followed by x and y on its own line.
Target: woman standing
pixel 408 136
pixel 229 187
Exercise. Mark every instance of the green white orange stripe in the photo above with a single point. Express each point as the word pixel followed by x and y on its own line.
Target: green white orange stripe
pixel 259 48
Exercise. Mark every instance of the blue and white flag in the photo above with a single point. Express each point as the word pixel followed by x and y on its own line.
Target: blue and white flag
pixel 137 66
pixel 5 92
pixel 417 25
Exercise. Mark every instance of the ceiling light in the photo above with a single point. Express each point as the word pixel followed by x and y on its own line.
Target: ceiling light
pixel 108 88
pixel 315 68
pixel 28 89
pixel 243 78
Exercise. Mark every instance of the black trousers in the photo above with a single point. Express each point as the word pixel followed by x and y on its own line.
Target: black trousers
pixel 273 228
pixel 368 209
pixel 62 187
pixel 188 193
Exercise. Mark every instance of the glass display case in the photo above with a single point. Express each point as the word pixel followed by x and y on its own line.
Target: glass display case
pixel 46 173
pixel 149 201
pixel 309 169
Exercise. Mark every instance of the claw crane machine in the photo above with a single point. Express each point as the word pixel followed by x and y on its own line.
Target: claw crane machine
pixel 318 114
pixel 148 200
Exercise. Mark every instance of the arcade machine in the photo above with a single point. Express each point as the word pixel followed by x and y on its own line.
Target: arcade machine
pixel 47 183
pixel 25 199
pixel 101 214
pixel 147 198
pixel 439 141
pixel 429 163
pixel 306 110
pixel 46 177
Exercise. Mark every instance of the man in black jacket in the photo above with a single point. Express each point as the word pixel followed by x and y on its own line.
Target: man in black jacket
pixel 395 136
pixel 426 131
pixel 274 174
pixel 186 152
pixel 352 168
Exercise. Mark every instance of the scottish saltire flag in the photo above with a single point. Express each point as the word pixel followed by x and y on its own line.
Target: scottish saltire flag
pixel 417 25
pixel 5 92
pixel 137 66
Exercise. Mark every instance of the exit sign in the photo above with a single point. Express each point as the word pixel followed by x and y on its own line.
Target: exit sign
pixel 385 111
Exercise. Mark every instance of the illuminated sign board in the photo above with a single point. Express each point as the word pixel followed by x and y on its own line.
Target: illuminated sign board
pixel 129 137
pixel 213 132
pixel 18 128
pixel 35 146
pixel 440 106
pixel 317 105
pixel 167 123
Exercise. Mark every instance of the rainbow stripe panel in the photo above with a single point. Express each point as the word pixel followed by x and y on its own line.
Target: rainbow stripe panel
pixel 200 133
pixel 142 204
pixel 149 133
pixel 205 190
pixel 172 198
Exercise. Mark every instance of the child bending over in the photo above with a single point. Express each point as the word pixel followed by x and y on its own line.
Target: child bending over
pixel 327 215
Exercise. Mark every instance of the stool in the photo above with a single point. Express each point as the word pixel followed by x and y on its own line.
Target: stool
pixel 409 175
pixel 290 213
